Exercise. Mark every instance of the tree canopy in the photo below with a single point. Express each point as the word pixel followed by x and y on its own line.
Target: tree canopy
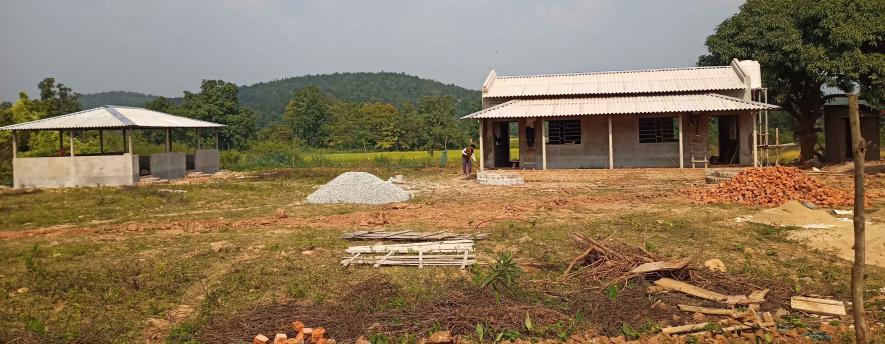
pixel 804 46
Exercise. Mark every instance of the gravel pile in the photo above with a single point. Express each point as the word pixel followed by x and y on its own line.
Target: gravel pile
pixel 358 187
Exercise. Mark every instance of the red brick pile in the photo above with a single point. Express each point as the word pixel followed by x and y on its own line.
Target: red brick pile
pixel 773 186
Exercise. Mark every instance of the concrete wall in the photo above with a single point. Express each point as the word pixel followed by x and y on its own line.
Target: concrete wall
pixel 592 152
pixel 67 171
pixel 207 161
pixel 837 134
pixel 168 165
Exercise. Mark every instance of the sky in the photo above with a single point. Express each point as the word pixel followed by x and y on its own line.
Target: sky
pixel 164 47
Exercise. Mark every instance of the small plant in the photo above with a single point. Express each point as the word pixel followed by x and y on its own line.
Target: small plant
pixel 630 332
pixel 692 340
pixel 650 246
pixel 612 292
pixel 480 333
pixel 528 323
pixel 507 335
pixel 378 338
pixel 504 274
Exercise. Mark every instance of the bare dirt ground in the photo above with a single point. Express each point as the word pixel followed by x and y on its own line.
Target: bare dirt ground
pixel 281 264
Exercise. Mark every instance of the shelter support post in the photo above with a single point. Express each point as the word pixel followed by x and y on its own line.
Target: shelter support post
pixel 482 165
pixel 197 135
pixel 61 143
pixel 543 144
pixel 129 140
pixel 14 144
pixel 755 141
pixel 681 148
pixel 611 151
pixel 101 141
pixel 168 140
pixel 72 142
pixel 217 139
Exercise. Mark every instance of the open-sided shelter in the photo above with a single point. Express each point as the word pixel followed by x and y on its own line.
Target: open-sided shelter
pixel 643 118
pixel 109 168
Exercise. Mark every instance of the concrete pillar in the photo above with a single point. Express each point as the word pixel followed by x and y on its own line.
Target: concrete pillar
pixel 482 151
pixel 101 141
pixel 755 142
pixel 14 144
pixel 129 140
pixel 72 142
pixel 681 147
pixel 543 144
pixel 168 140
pixel 611 151
pixel 218 139
pixel 61 143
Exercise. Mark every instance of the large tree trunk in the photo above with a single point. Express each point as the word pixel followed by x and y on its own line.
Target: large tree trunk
pixel 807 136
pixel 861 331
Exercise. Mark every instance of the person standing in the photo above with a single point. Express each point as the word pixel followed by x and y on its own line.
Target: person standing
pixel 466 157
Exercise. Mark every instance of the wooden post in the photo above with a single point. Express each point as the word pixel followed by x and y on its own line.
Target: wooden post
pixel 482 154
pixel 543 144
pixel 72 142
pixel 168 140
pixel 217 139
pixel 681 148
pixel 861 331
pixel 101 141
pixel 777 147
pixel 61 143
pixel 197 132
pixel 14 144
pixel 129 140
pixel 611 151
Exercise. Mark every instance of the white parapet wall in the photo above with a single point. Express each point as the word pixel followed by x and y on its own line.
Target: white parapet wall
pixel 498 178
pixel 168 165
pixel 207 161
pixel 68 171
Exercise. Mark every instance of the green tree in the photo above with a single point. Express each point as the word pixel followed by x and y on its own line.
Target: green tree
pixel 439 126
pixel 309 116
pixel 217 102
pixel 161 104
pixel 804 46
pixel 57 99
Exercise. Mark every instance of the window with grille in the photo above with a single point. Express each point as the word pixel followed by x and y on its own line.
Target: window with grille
pixel 658 129
pixel 564 132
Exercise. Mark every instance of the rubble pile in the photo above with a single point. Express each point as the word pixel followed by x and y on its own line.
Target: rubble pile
pixel 359 188
pixel 303 335
pixel 772 186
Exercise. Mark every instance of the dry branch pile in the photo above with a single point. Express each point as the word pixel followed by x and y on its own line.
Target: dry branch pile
pixel 610 261
pixel 772 186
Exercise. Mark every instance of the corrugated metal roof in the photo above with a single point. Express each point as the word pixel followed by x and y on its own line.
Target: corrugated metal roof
pixel 554 107
pixel 112 116
pixel 691 79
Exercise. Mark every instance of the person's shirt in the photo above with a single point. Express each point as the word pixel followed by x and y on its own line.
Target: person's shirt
pixel 470 154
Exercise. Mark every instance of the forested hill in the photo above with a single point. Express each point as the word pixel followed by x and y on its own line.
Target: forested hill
pixel 268 99
pixel 124 98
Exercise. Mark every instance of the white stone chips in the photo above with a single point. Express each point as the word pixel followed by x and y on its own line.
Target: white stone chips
pixel 358 187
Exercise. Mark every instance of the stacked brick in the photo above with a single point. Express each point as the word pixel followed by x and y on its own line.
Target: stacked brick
pixel 772 186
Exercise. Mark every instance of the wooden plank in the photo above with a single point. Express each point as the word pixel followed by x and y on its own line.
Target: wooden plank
pixel 380 261
pixel 817 306
pixel 706 310
pixel 660 266
pixel 691 290
pixel 684 328
pixel 387 235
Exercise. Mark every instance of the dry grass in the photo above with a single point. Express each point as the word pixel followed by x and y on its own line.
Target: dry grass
pixel 102 282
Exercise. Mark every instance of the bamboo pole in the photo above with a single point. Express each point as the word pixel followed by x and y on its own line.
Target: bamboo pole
pixel 168 140
pixel 861 331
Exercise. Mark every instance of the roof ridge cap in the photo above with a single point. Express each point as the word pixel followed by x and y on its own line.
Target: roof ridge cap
pixel 612 72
